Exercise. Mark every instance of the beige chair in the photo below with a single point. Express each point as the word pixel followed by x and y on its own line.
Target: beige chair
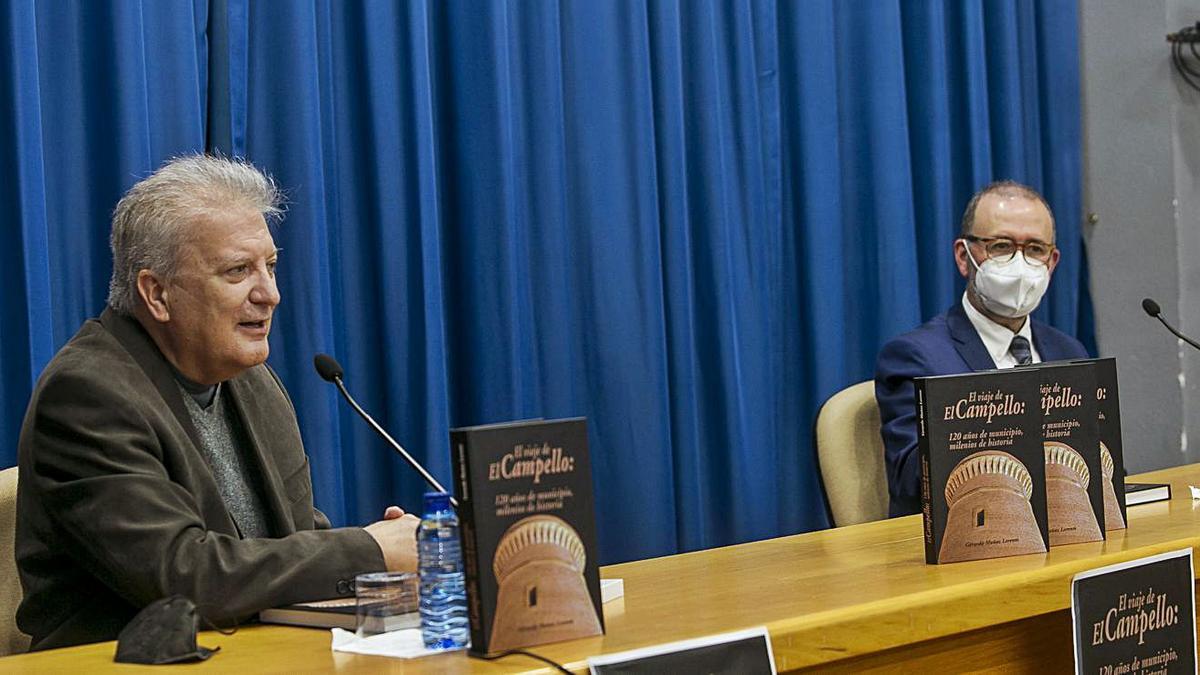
pixel 12 640
pixel 850 453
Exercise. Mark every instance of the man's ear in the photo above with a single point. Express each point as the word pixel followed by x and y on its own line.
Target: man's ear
pixel 1053 262
pixel 960 258
pixel 154 296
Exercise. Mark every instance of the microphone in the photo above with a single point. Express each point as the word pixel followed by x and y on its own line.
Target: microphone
pixel 1151 307
pixel 331 371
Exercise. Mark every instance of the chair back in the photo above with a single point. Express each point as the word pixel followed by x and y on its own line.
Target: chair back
pixel 850 453
pixel 12 640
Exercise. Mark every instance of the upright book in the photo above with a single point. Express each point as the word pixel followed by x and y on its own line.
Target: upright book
pixel 1074 470
pixel 983 473
pixel 1112 453
pixel 528 532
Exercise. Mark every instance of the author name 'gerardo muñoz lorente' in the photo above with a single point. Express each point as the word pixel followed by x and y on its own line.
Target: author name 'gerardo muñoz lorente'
pixel 985 405
pixel 531 461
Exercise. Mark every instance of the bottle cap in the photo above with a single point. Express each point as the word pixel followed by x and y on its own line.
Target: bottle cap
pixel 437 501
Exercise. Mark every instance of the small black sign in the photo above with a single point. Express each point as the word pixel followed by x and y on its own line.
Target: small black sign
pixel 746 652
pixel 1136 618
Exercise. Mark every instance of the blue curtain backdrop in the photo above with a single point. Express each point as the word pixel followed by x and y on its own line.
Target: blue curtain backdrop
pixel 691 222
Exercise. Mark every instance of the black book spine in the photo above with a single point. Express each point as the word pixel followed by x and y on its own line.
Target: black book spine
pixel 926 494
pixel 468 540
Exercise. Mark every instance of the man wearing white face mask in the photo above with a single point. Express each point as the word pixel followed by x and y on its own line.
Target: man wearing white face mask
pixel 1006 252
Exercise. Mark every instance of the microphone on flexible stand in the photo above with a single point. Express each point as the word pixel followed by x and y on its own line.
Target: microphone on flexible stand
pixel 1155 311
pixel 331 371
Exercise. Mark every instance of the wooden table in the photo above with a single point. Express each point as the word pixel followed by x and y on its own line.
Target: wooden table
pixel 851 599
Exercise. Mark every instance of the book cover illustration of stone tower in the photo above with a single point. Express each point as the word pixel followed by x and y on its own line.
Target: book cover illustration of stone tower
pixel 1067 481
pixel 990 510
pixel 539 566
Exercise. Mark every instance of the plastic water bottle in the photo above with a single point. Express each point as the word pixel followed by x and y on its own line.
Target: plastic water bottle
pixel 444 623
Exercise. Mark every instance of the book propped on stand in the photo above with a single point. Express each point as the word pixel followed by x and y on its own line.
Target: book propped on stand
pixel 528 532
pixel 983 470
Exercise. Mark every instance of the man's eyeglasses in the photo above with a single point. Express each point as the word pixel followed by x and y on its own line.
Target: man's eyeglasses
pixel 1002 249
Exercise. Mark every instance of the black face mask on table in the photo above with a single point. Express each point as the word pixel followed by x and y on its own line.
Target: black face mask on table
pixel 163 632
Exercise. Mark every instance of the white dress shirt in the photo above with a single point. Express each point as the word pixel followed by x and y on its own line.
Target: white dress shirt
pixel 996 338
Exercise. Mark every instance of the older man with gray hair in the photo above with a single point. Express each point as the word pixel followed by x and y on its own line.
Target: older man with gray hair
pixel 160 455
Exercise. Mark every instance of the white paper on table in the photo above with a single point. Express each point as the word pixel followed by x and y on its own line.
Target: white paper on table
pixel 401 644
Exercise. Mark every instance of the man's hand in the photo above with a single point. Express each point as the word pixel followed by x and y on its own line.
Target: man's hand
pixel 396 535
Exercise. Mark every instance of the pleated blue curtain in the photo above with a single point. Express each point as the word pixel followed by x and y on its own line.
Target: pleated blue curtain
pixel 690 222
pixel 94 95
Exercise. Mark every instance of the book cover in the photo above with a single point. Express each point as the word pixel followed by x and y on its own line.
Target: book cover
pixel 1074 469
pixel 528 533
pixel 983 473
pixel 1112 456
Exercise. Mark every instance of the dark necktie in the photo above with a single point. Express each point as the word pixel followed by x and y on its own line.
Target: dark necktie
pixel 1020 351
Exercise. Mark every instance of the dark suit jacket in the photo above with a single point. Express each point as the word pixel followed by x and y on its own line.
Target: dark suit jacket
pixel 948 344
pixel 116 506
